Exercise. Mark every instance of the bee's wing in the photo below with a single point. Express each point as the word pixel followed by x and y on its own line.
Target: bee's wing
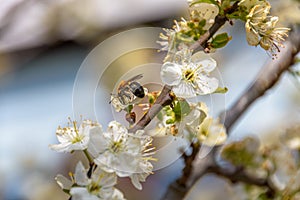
pixel 139 76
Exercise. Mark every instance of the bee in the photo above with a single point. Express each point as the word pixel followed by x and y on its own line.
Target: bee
pixel 128 90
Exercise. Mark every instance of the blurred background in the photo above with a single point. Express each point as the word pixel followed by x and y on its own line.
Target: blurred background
pixel 42 45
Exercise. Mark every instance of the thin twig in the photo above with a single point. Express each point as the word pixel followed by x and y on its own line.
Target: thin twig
pixel 188 164
pixel 165 97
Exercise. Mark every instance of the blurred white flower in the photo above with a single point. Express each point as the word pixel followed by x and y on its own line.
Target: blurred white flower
pixel 100 186
pixel 291 138
pixel 121 152
pixel 73 137
pixel 209 131
pixel 190 78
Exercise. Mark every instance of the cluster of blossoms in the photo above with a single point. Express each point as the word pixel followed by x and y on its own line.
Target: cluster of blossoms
pixel 117 152
pixel 276 162
pixel 261 27
pixel 186 32
pixel 112 153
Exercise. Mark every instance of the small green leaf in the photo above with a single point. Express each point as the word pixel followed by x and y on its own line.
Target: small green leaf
pixel 129 108
pixel 202 23
pixel 181 109
pixel 221 90
pixel 225 4
pixel 220 40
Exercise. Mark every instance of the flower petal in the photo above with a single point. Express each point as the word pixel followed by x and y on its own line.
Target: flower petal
pixel 80 175
pixel 207 62
pixel 98 143
pixel 63 182
pixel 80 193
pixel 184 90
pixel 171 73
pixel 252 36
pixel 117 195
pixel 207 85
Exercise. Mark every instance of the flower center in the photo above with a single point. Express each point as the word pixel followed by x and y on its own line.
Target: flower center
pixel 77 137
pixel 116 146
pixel 189 75
pixel 94 188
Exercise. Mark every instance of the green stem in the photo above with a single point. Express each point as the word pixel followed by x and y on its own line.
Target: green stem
pixel 88 156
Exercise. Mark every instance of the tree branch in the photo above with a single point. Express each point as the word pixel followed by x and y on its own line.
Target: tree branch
pixel 240 175
pixel 266 79
pixel 165 98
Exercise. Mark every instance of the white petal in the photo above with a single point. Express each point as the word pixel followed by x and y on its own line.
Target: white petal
pixel 207 85
pixel 184 90
pixel 80 175
pixel 251 35
pixel 206 10
pixel 135 181
pixel 63 182
pixel 116 130
pixel 171 73
pixel 207 62
pixel 108 180
pixel 216 137
pixel 158 131
pixel 117 195
pixel 98 143
pixel 63 147
pixel 80 193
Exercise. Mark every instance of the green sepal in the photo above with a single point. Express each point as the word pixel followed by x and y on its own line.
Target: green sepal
pixel 66 191
pixel 129 108
pixel 220 40
pixel 170 121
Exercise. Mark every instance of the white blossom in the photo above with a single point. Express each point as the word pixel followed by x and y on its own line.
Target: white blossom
pixel 100 186
pixel 208 130
pixel 190 77
pixel 123 153
pixel 261 29
pixel 73 137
